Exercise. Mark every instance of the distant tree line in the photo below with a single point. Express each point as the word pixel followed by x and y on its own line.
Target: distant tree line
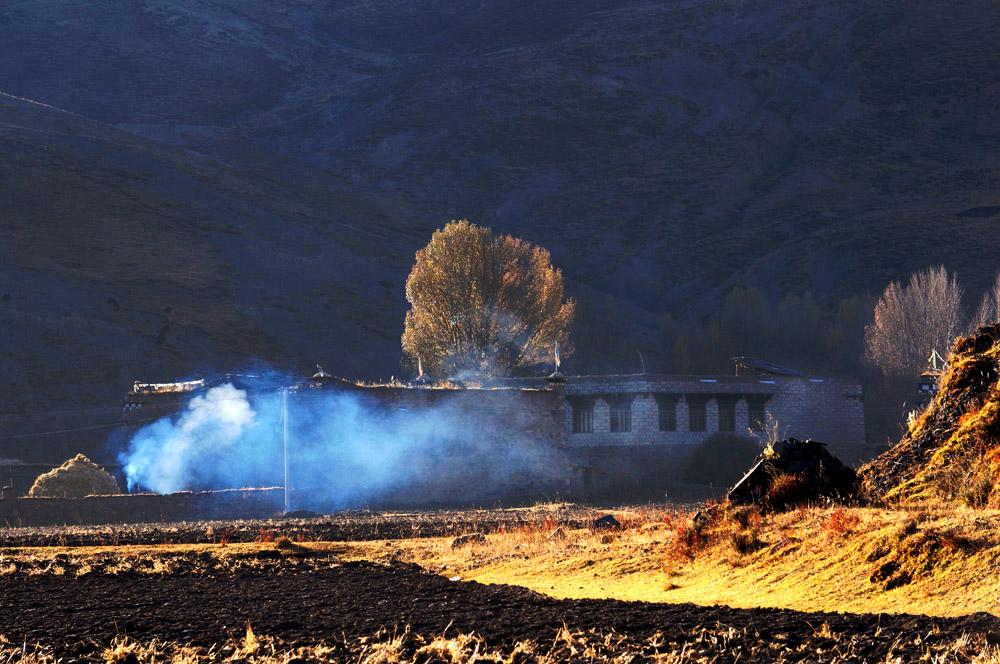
pixel 886 341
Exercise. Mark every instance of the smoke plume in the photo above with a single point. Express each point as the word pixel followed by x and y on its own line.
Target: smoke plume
pixel 344 450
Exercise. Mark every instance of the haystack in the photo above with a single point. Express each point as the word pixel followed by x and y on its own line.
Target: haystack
pixel 76 478
pixel 951 452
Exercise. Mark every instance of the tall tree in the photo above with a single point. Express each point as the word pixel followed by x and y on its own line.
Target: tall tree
pixel 989 308
pixel 491 305
pixel 914 320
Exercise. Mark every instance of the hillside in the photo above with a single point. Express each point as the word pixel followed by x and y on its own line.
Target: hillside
pixel 127 259
pixel 249 180
pixel 949 453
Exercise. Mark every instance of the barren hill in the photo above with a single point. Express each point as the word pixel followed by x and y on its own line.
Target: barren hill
pixel 247 181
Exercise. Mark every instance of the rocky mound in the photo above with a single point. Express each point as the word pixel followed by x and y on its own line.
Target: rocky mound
pixel 952 451
pixel 77 478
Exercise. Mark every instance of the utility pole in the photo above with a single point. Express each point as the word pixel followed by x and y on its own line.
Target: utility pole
pixel 284 420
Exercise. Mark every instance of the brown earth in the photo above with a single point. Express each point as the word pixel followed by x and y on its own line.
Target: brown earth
pixel 303 601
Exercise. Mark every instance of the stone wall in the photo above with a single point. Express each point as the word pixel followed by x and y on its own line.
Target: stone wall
pixel 143 508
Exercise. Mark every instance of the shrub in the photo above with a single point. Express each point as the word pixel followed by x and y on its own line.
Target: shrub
pixel 841 522
pixel 786 491
pixel 688 542
pixel 722 459
pixel 745 542
pixel 746 516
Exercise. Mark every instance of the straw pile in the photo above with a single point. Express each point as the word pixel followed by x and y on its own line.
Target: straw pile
pixel 76 478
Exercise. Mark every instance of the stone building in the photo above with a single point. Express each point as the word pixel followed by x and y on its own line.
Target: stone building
pixel 614 433
pixel 644 409
pixel 634 431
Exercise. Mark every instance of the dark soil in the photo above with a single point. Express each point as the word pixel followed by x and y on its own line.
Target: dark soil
pixel 311 601
pixel 73 605
pixel 340 527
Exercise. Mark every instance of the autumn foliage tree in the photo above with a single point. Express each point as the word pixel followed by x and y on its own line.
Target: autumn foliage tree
pixel 492 305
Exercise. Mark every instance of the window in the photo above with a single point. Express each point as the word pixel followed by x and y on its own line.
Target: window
pixel 667 406
pixel 697 421
pixel 582 408
pixel 756 414
pixel 621 415
pixel 727 414
pixel 583 418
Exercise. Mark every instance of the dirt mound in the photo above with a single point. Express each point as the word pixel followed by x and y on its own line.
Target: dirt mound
pixel 77 478
pixel 952 450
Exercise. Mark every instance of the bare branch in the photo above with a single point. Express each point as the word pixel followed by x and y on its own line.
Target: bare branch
pixel 913 321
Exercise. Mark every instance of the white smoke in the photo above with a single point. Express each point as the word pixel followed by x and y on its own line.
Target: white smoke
pixel 211 435
pixel 342 450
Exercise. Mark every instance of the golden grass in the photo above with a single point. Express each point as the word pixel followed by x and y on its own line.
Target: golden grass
pixel 962 427
pixel 821 559
pixel 931 561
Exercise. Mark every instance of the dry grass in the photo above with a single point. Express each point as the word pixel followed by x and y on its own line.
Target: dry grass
pixel 812 559
pixel 929 561
pixel 951 451
pixel 699 645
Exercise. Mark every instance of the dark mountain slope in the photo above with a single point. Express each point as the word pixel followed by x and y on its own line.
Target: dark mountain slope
pixel 127 259
pixel 250 164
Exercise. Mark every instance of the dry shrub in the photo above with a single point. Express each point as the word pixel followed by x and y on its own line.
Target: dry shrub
pixel 77 478
pixel 689 535
pixel 786 491
pixel 686 542
pixel 747 521
pixel 745 541
pixel 287 545
pixel 841 522
pixel 748 516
